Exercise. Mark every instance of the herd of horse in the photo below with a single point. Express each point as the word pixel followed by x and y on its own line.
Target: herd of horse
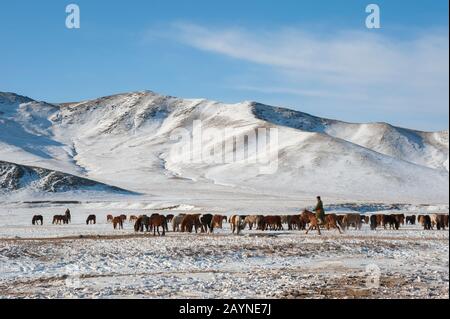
pixel 306 220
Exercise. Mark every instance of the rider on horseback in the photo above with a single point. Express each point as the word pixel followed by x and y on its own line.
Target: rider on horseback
pixel 320 212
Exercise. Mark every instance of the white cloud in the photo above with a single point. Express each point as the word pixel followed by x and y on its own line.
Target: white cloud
pixel 356 69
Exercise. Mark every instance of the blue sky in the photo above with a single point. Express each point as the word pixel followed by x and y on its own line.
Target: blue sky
pixel 314 56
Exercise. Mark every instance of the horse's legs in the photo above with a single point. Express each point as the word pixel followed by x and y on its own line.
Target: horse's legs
pixel 310 228
pixel 338 228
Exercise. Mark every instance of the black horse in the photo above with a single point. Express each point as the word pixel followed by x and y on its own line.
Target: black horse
pixel 206 221
pixel 411 220
pixel 68 216
pixel 92 219
pixel 37 219
pixel 141 222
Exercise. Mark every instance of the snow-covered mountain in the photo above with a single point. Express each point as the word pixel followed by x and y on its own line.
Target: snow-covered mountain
pixel 15 177
pixel 125 141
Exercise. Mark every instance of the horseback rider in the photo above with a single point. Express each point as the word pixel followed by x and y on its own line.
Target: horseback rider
pixel 320 212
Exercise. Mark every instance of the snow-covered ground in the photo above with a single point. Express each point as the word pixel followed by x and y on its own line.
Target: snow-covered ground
pixel 80 261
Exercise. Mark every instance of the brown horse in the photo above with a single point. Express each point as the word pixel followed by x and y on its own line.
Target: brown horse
pixel 237 223
pixel 438 221
pixel 331 221
pixel 380 220
pixel 37 219
pixel 217 221
pixel 124 218
pixel 311 219
pixel 272 223
pixel 92 219
pixel 296 222
pixel 352 220
pixel 117 222
pixel 425 221
pixel 133 219
pixel 157 221
pixel 341 219
pixel 169 218
pixel 285 219
pixel 191 222
pixel 392 221
pixel 109 218
pixel 60 219
pixel 259 222
pixel 400 218
pixel 250 221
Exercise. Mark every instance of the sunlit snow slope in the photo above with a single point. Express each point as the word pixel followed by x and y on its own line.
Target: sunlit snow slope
pixel 124 141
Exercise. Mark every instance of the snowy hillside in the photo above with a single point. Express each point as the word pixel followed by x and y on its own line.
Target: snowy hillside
pixel 125 141
pixel 423 148
pixel 17 178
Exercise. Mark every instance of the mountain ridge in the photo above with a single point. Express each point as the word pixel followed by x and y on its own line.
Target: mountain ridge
pixel 129 133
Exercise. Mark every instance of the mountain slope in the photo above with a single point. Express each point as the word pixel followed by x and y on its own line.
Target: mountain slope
pixel 128 140
pixel 423 148
pixel 15 178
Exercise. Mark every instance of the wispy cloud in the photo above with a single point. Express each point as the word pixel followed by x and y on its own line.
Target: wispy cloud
pixel 358 69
